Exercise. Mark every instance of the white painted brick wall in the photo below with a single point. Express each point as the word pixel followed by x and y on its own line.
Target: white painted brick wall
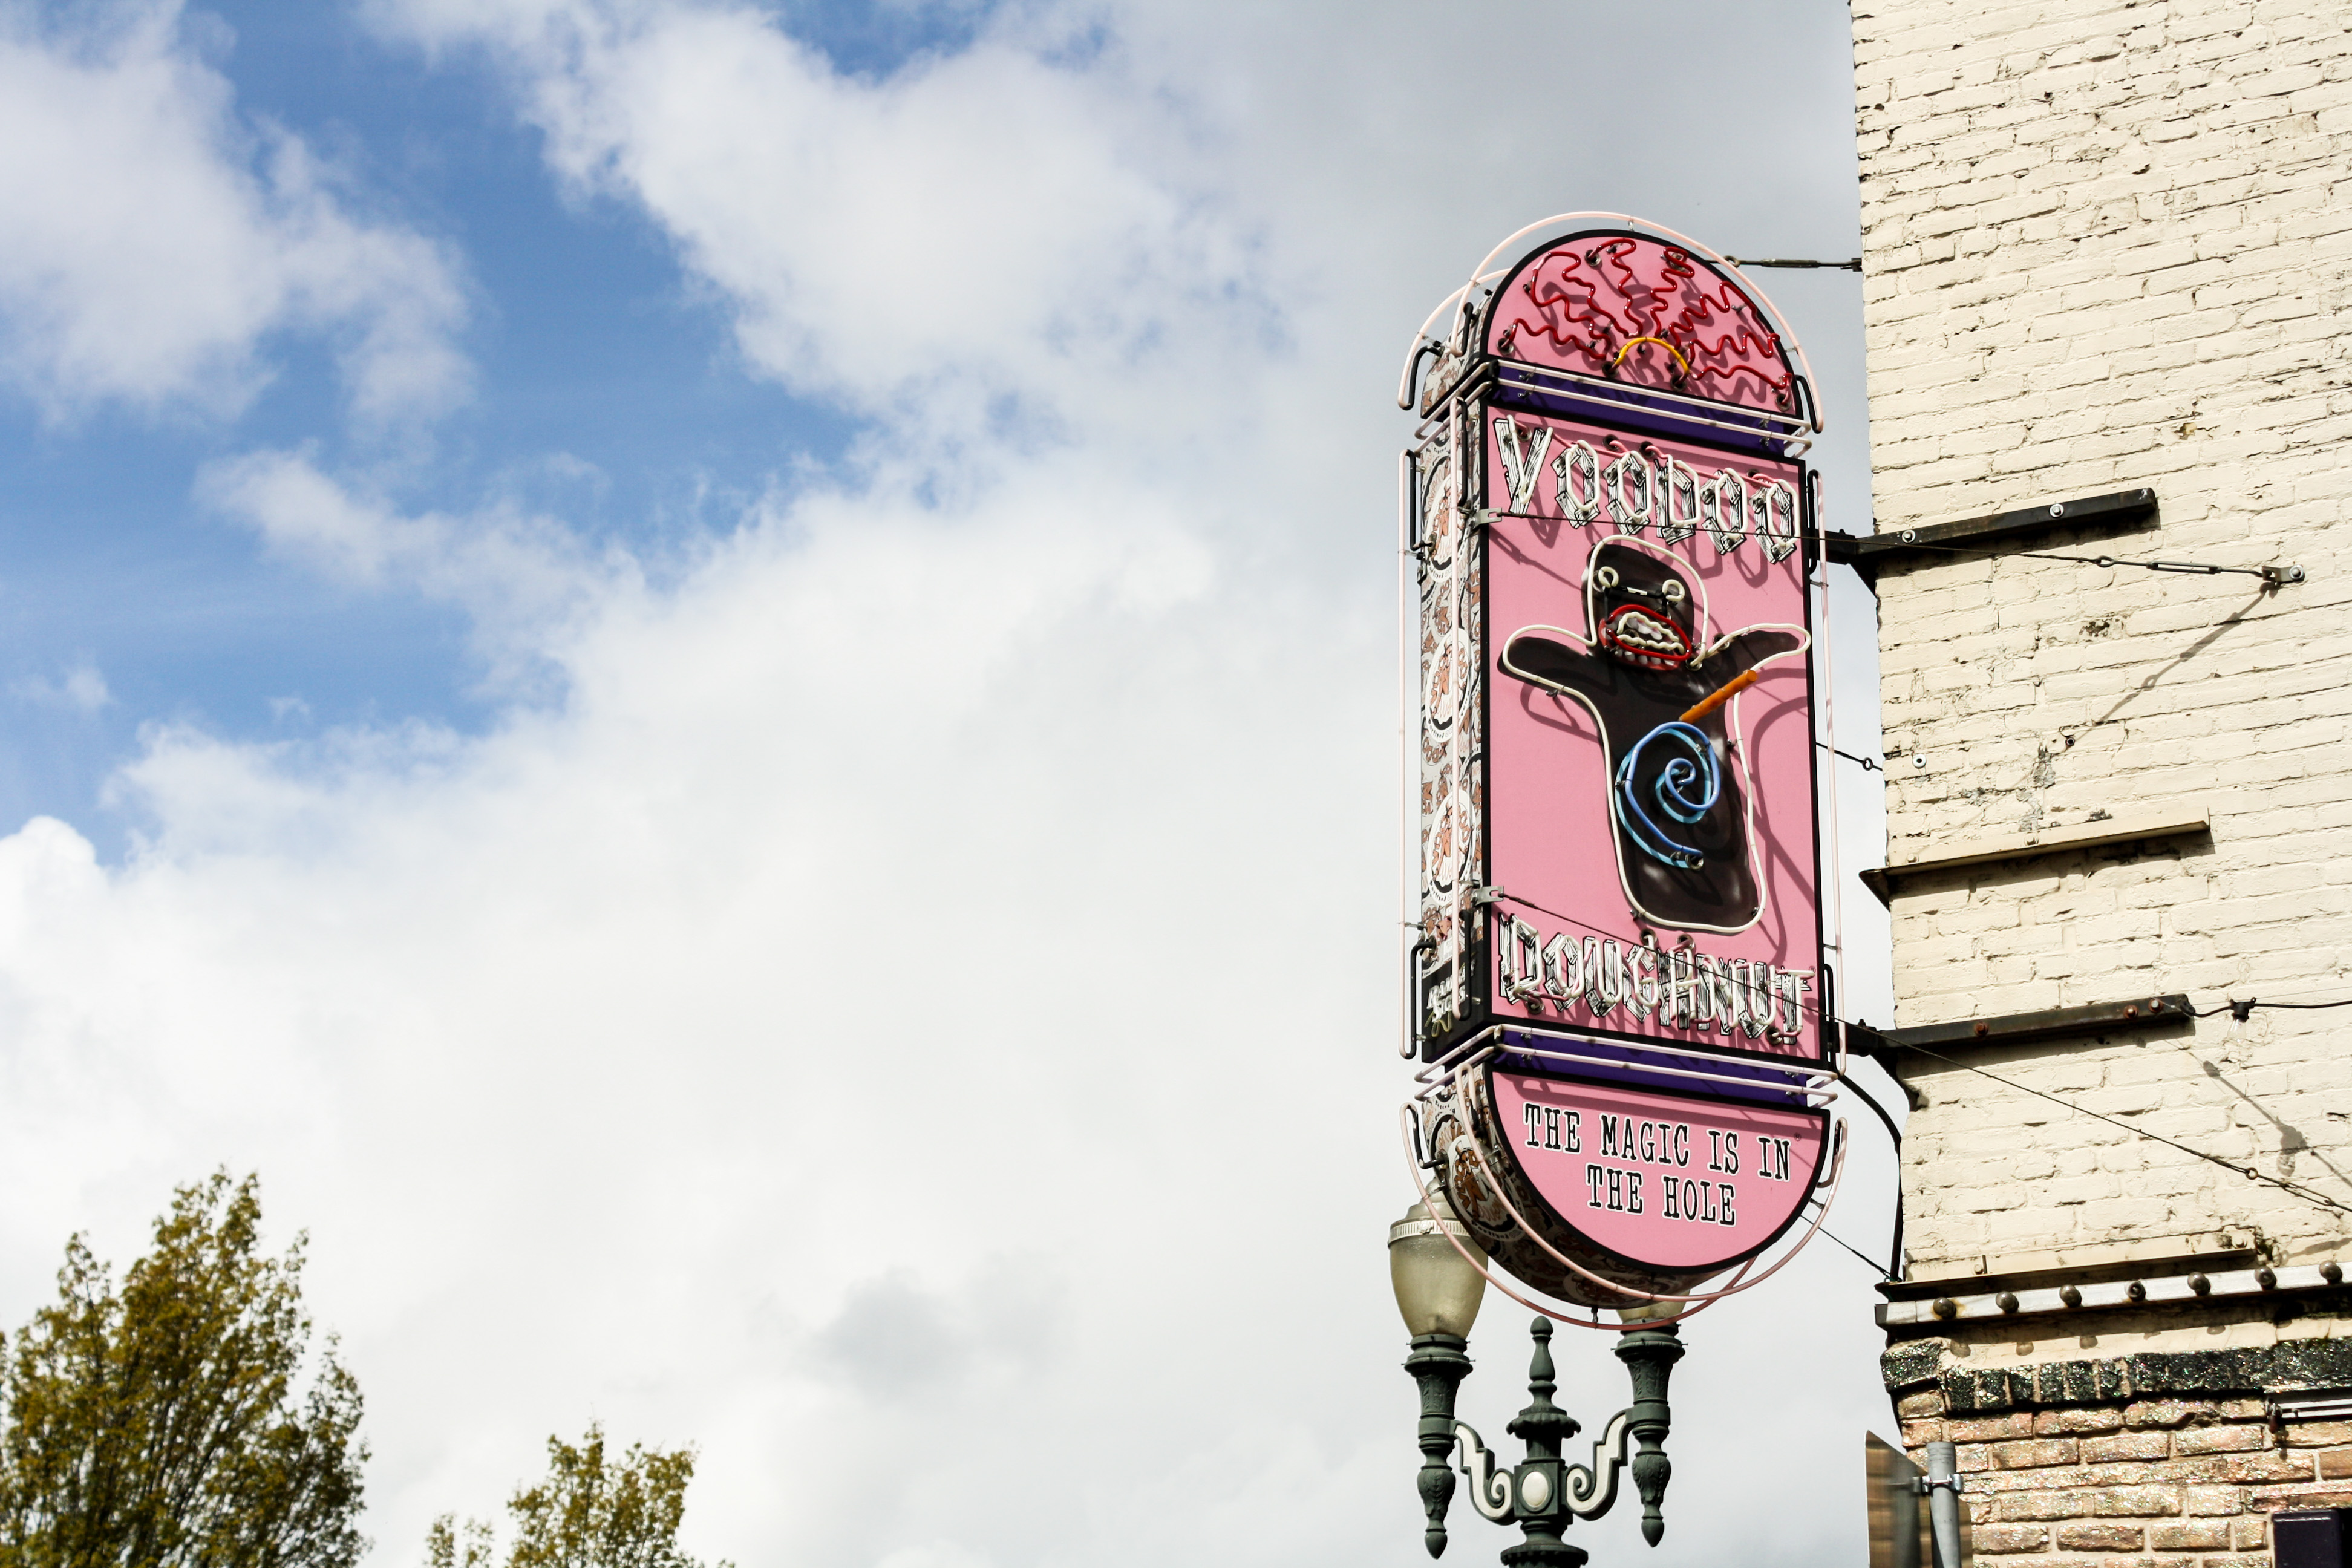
pixel 2108 244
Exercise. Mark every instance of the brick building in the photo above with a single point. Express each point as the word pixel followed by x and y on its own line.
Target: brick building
pixel 2108 273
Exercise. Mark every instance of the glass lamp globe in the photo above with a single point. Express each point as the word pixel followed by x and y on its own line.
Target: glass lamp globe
pixel 1437 1290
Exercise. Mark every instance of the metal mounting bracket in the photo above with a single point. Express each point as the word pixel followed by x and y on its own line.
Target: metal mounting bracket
pixel 1868 553
pixel 2015 1028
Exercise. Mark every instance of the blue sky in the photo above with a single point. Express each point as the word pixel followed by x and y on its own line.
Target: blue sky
pixel 607 388
pixel 722 681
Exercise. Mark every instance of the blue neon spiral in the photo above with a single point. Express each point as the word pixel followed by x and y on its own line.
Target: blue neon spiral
pixel 1675 791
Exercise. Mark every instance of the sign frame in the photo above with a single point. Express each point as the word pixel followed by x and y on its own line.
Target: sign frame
pixel 1469 1021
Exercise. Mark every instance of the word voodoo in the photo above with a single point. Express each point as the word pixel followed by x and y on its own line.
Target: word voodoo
pixel 1635 493
pixel 1682 987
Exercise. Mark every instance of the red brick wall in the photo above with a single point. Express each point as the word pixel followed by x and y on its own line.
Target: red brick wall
pixel 2150 1481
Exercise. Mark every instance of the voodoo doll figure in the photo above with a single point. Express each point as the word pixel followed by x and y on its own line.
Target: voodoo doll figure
pixel 1678 790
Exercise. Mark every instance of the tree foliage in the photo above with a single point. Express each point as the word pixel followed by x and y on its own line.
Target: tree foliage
pixel 164 1424
pixel 587 1513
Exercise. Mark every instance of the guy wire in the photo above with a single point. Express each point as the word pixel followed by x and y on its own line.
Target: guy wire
pixel 2295 1188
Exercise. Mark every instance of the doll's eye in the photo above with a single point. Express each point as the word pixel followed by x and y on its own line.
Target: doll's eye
pixel 1605 578
pixel 1673 590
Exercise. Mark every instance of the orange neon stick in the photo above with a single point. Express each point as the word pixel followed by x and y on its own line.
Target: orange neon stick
pixel 1719 696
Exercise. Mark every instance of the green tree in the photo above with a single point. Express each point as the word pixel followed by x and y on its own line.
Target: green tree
pixel 165 1424
pixel 587 1513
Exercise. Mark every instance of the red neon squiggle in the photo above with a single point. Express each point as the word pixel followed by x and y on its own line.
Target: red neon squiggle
pixel 1594 349
pixel 1726 350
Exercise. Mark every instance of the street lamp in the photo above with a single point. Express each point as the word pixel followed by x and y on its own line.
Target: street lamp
pixel 1438 1289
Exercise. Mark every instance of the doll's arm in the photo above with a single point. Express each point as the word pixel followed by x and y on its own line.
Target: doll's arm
pixel 1558 661
pixel 1751 650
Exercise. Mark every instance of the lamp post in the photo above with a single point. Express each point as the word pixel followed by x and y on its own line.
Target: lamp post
pixel 1439 1290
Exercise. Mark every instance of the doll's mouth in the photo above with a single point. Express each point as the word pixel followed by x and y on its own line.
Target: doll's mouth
pixel 1637 637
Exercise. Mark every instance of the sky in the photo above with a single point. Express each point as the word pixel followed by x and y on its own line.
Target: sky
pixel 722 681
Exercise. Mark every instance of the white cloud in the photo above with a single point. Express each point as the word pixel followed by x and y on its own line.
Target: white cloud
pixel 81 688
pixel 157 239
pixel 988 225
pixel 909 1007
pixel 520 576
pixel 935 1554
pixel 709 1007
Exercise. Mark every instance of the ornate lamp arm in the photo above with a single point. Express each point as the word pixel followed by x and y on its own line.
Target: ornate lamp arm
pixel 1590 1491
pixel 1489 1492
pixel 1541 1495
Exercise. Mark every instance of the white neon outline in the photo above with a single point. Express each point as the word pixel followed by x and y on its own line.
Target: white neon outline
pixel 1578 513
pixel 1778 546
pixel 1520 474
pixel 1552 382
pixel 1530 1030
pixel 1408 763
pixel 1828 764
